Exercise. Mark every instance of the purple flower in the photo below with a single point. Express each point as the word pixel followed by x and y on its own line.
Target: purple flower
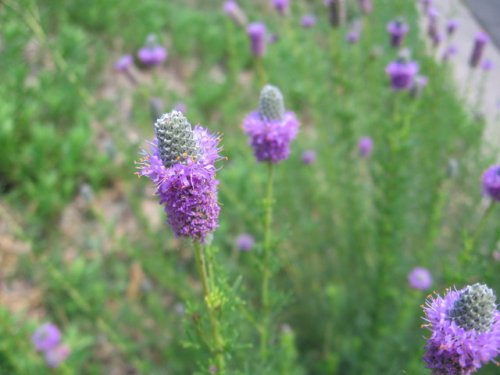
pixel 352 37
pixel 180 107
pixel 308 157
pixel 271 129
pixel 308 21
pixel 123 63
pixel 491 182
pixel 181 165
pixel 477 51
pixel 366 6
pixel 46 337
pixel 487 65
pixel 420 278
pixel 450 52
pixel 281 6
pixel 402 73
pixel 451 27
pixel 397 30
pixel 465 330
pixel 257 33
pixel 152 53
pixel 245 242
pixel 365 147
pixel 233 10
pixel 56 355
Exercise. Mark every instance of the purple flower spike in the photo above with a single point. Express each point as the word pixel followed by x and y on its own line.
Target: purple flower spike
pixel 402 73
pixel 420 278
pixel 271 129
pixel 487 65
pixel 245 242
pixel 365 147
pixel 55 356
pixel 308 157
pixel 46 337
pixel 480 43
pixel 233 11
pixel 397 30
pixel 465 330
pixel 281 6
pixel 257 34
pixel 451 27
pixel 123 63
pixel 366 6
pixel 181 165
pixel 491 182
pixel 152 53
pixel 308 21
pixel 450 52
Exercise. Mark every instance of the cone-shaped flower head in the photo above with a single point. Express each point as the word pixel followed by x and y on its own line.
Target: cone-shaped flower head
pixel 402 72
pixel 245 242
pixel 281 6
pixel 257 32
pixel 451 26
pixel 271 128
pixel 181 164
pixel 308 21
pixel 46 337
pixel 491 182
pixel 123 63
pixel 480 43
pixel 465 327
pixel 397 30
pixel 365 147
pixel 152 53
pixel 420 278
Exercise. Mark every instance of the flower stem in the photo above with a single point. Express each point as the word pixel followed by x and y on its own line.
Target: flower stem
pixel 266 272
pixel 217 341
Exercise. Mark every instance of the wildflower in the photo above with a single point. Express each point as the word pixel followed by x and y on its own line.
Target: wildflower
pixel 308 21
pixel 281 6
pixel 245 242
pixel 477 51
pixel 487 65
pixel 451 27
pixel 181 164
pixel 46 337
pixel 491 182
pixel 123 63
pixel 233 11
pixel 55 356
pixel 308 157
pixel 402 73
pixel 420 278
pixel 152 53
pixel 271 129
pixel 365 147
pixel 397 30
pixel 366 6
pixel 465 327
pixel 450 52
pixel 180 107
pixel 257 33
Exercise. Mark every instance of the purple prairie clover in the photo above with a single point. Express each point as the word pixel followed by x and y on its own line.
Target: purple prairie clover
pixel 491 182
pixel 402 74
pixel 420 278
pixel 352 36
pixel 56 355
pixel 257 33
pixel 365 147
pixel 46 337
pixel 245 242
pixel 233 11
pixel 124 63
pixel 181 165
pixel 366 6
pixel 281 6
pixel 308 157
pixel 480 43
pixel 308 21
pixel 451 27
pixel 397 30
pixel 465 330
pixel 152 53
pixel 271 128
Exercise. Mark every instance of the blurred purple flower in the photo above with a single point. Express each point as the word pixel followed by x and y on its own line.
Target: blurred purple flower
pixel 180 107
pixel 365 147
pixel 152 53
pixel 397 30
pixel 307 21
pixel 46 337
pixel 281 6
pixel 465 330
pixel 450 52
pixel 56 355
pixel 420 278
pixel 123 63
pixel 491 182
pixel 308 157
pixel 245 242
pixel 366 6
pixel 451 27
pixel 426 4
pixel 402 73
pixel 480 43
pixel 257 34
pixel 352 37
pixel 233 11
pixel 487 65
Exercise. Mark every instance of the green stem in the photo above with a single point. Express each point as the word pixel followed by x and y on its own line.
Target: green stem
pixel 217 341
pixel 266 272
pixel 261 74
